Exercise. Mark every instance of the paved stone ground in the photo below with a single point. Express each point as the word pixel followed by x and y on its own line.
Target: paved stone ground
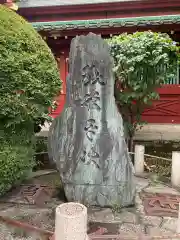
pixel 134 221
pixel 130 222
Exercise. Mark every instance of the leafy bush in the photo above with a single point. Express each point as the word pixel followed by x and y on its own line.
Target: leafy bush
pixel 143 61
pixel 41 144
pixel 16 159
pixel 29 79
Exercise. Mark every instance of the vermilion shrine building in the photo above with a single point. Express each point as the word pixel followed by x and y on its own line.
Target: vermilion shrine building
pixel 59 21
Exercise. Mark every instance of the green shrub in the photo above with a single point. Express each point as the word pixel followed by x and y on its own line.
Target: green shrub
pixel 29 77
pixel 143 61
pixel 41 144
pixel 29 80
pixel 16 160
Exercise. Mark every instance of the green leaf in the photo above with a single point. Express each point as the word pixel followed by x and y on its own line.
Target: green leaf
pixel 28 72
pixel 142 62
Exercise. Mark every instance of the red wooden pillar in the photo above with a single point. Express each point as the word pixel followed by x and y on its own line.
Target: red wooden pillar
pixel 61 99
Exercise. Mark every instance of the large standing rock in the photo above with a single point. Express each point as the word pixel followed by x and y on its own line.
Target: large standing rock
pixel 87 140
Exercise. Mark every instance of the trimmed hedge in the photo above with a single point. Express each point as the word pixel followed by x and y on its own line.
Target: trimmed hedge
pixel 16 160
pixel 29 80
pixel 29 77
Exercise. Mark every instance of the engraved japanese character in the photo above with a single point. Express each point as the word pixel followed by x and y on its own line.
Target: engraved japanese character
pixel 86 75
pixel 90 128
pixel 93 157
pixel 97 77
pixel 83 157
pixel 91 100
pixel 92 75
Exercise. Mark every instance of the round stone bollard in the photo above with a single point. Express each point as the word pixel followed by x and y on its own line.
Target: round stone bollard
pixel 178 221
pixel 139 159
pixel 71 222
pixel 175 176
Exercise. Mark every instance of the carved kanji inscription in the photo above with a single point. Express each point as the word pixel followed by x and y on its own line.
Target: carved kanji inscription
pixel 90 128
pixel 91 100
pixel 92 75
pixel 91 156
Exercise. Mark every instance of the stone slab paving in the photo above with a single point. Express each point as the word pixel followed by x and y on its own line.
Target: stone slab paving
pixel 134 221
pixel 130 221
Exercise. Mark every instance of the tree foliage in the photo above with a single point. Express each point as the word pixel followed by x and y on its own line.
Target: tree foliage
pixel 16 158
pixel 29 80
pixel 143 61
pixel 29 77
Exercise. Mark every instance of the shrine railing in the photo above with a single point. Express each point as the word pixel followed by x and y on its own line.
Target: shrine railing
pixel 174 80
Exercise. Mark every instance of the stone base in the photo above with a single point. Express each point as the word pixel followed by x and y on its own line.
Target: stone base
pixel 99 196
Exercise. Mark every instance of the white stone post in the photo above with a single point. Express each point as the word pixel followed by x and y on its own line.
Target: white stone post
pixel 178 221
pixel 71 222
pixel 175 176
pixel 139 159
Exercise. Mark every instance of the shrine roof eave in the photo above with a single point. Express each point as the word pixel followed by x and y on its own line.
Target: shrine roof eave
pixel 107 23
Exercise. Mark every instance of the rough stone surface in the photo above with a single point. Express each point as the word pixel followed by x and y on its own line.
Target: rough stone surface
pixel 156 231
pixel 170 223
pixel 87 140
pixel 141 184
pixel 104 215
pixel 41 218
pixel 128 228
pixel 151 220
pixel 129 222
pixel 139 205
pixel 159 188
pixel 96 228
pixel 126 217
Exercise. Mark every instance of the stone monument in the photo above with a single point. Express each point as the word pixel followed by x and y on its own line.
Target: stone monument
pixel 87 140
